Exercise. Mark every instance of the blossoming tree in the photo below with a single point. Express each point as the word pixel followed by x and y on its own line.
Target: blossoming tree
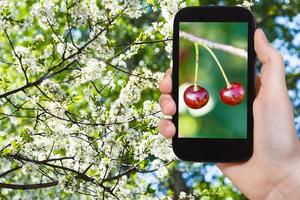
pixel 78 97
pixel 76 106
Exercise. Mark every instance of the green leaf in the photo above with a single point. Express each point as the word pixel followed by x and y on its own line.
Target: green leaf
pixel 150 190
pixel 25 135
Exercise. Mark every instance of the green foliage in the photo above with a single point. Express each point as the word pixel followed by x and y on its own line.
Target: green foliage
pixel 17 134
pixel 4 83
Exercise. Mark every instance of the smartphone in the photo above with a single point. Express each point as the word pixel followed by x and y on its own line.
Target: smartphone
pixel 213 80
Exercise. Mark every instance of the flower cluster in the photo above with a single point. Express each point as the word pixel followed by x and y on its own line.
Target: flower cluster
pixel 85 117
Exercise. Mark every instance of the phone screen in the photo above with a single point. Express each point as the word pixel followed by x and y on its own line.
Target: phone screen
pixel 212 101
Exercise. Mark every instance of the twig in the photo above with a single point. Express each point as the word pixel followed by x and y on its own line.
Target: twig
pixel 223 47
pixel 27 187
pixel 144 42
pixel 37 82
pixel 6 62
pixel 47 75
pixel 19 57
pixel 9 171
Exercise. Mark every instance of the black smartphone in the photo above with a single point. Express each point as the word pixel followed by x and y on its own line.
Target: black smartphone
pixel 213 83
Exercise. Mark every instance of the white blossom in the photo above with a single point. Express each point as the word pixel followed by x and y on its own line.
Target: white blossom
pixel 182 195
pixel 94 113
pixel 52 88
pixel 162 172
pixel 247 4
pixel 39 37
pixel 21 51
pixel 60 48
pixel 62 182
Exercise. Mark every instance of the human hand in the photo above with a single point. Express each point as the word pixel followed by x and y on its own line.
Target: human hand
pixel 273 172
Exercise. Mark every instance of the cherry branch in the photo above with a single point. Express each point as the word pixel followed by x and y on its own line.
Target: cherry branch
pixel 51 69
pixel 9 171
pixel 19 57
pixel 37 82
pixel 144 42
pixel 223 47
pixel 6 62
pixel 28 186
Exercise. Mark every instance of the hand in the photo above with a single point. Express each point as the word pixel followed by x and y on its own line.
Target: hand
pixel 273 172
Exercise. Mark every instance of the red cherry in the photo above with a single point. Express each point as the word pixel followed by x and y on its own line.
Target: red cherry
pixel 233 95
pixel 195 98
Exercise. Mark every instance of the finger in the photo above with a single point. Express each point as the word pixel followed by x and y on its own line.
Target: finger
pixel 272 72
pixel 167 104
pixel 166 128
pixel 165 85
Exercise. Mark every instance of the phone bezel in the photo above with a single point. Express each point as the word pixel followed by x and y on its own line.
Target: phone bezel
pixel 219 149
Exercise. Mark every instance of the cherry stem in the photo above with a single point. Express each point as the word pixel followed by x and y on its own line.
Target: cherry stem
pixel 218 63
pixel 196 68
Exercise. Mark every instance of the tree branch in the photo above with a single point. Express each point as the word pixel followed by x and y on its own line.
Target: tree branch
pixel 144 42
pixel 45 162
pixel 6 62
pixel 29 186
pixel 127 72
pixel 223 47
pixel 19 57
pixel 9 171
pixel 37 82
pixel 47 75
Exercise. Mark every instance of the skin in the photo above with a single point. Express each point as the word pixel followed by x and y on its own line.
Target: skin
pixel 273 172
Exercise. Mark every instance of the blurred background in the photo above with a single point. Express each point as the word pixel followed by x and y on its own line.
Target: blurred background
pixel 215 119
pixel 280 21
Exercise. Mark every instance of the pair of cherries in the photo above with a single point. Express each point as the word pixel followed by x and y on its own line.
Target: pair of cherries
pixel 197 97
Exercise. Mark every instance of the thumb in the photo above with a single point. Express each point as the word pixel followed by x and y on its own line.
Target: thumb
pixel 272 71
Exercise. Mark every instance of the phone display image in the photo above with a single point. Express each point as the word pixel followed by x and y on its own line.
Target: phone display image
pixel 212 80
